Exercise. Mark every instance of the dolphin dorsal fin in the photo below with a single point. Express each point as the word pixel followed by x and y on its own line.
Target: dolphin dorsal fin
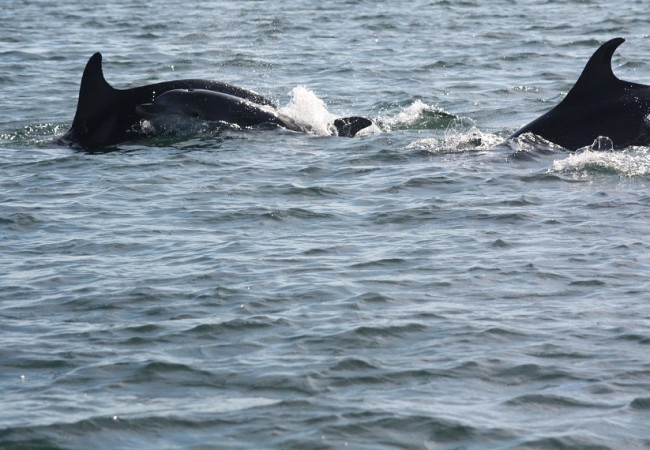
pixel 93 76
pixel 598 74
pixel 94 91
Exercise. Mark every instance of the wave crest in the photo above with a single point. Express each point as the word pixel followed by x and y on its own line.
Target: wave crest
pixel 630 163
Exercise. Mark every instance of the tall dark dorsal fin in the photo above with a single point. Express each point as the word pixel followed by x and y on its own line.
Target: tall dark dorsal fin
pixel 93 76
pixel 94 90
pixel 598 73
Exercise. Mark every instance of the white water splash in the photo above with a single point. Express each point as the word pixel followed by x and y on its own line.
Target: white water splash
pixel 418 114
pixel 461 135
pixel 464 139
pixel 431 144
pixel 408 115
pixel 531 143
pixel 309 111
pixel 632 163
pixel 458 142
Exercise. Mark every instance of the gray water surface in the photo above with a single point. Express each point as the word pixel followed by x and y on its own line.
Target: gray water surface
pixel 424 286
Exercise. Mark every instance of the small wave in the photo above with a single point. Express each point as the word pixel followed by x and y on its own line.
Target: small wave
pixel 295 213
pixel 33 135
pixel 417 431
pixel 18 221
pixel 378 263
pixel 239 325
pixel 308 191
pixel 461 135
pixel 641 403
pixel 418 116
pixel 21 56
pixel 551 401
pixel 524 373
pixel 528 144
pixel 352 364
pixel 408 215
pixel 567 441
pixel 382 332
pixel 629 163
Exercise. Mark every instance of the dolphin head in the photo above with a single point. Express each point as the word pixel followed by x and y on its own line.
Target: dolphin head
pixel 350 126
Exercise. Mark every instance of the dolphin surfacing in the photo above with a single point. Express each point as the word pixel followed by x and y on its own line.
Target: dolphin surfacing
pixel 216 106
pixel 107 116
pixel 598 105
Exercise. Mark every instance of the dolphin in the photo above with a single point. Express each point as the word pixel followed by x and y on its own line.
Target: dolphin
pixel 107 116
pixel 217 106
pixel 598 105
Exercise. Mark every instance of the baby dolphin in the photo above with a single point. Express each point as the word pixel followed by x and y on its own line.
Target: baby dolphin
pixel 217 106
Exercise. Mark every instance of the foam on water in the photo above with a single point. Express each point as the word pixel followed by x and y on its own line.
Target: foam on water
pixel 457 141
pixel 460 135
pixel 33 134
pixel 408 115
pixel 309 111
pixel 631 163
pixel 531 143
pixel 418 115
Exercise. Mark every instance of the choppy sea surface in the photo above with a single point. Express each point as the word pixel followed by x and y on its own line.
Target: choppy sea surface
pixel 427 285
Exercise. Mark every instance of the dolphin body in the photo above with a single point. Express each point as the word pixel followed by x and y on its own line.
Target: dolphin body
pixel 107 116
pixel 598 105
pixel 217 106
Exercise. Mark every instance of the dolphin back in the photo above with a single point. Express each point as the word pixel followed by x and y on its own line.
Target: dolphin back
pixel 598 104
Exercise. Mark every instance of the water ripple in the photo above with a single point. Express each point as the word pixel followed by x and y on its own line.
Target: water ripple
pixel 426 285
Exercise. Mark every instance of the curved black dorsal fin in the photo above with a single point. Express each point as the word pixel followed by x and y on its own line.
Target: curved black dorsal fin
pixel 94 91
pixel 92 80
pixel 598 73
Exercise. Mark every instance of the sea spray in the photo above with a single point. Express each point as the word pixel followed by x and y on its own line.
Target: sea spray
pixel 309 111
pixel 632 163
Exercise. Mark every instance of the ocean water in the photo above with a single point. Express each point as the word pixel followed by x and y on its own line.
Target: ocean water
pixel 427 285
